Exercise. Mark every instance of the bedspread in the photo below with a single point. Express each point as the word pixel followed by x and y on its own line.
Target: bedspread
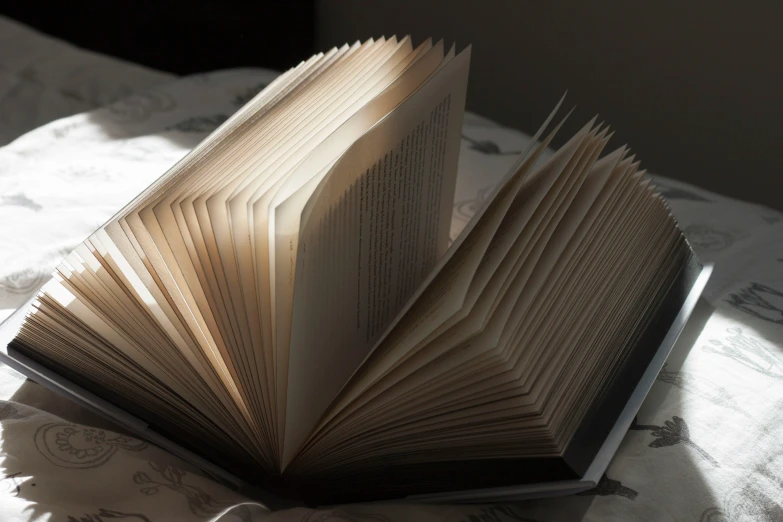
pixel 706 446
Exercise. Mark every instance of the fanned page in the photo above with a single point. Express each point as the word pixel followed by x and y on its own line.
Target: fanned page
pixel 377 226
pixel 285 303
pixel 512 347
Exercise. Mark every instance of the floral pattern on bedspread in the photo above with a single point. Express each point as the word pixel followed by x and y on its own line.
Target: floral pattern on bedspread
pixel 706 445
pixel 42 79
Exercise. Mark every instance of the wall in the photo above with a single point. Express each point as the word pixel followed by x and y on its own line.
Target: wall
pixel 696 87
pixel 179 36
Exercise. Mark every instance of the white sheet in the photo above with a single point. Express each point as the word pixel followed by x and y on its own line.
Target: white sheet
pixel 707 444
pixel 42 79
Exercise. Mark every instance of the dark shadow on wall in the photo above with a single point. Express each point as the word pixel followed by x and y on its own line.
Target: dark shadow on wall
pixel 180 36
pixel 693 87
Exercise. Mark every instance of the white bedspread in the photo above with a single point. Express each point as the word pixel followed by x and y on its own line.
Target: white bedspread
pixel 707 446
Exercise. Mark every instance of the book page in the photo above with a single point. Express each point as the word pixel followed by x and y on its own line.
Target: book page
pixel 387 375
pixel 473 380
pixel 183 249
pixel 281 209
pixel 467 228
pixel 372 232
pixel 444 302
pixel 220 233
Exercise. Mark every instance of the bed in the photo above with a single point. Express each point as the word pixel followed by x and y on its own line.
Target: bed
pixel 83 133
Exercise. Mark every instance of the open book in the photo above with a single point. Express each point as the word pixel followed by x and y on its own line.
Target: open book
pixel 286 304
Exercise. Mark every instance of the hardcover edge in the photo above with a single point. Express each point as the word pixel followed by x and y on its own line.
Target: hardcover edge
pixel 611 443
pixel 61 386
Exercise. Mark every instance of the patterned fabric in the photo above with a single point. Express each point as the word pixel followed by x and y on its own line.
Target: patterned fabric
pixel 706 445
pixel 42 79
